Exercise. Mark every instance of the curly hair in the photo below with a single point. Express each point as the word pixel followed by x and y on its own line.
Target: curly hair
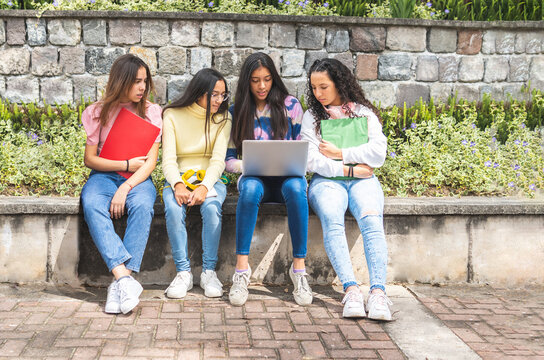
pixel 346 84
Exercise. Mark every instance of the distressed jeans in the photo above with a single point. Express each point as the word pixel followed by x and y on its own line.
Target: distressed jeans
pixel 96 198
pixel 364 197
pixel 211 211
pixel 257 189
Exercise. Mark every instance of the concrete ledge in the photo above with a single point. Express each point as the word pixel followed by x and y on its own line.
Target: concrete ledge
pixel 438 240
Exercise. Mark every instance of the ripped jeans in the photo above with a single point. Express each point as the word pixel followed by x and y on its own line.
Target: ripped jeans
pixel 330 199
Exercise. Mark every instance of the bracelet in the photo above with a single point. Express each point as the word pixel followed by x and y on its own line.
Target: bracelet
pixel 131 187
pixel 127 165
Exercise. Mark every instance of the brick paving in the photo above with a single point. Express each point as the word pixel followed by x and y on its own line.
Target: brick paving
pixel 62 323
pixel 496 323
pixel 74 326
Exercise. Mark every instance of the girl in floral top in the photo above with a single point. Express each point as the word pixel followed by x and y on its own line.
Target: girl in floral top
pixel 264 110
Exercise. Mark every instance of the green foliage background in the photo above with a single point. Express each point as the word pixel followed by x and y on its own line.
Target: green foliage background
pixel 435 149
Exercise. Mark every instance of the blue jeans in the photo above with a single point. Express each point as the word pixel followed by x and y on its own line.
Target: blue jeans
pixel 96 198
pixel 289 190
pixel 364 197
pixel 211 211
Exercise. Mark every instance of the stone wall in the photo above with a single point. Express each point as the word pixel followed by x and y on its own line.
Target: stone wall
pixel 62 56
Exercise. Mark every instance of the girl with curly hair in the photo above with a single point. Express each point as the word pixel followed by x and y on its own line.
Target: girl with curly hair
pixel 344 179
pixel 264 110
pixel 107 194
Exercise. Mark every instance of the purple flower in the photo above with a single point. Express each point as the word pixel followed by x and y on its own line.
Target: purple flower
pixel 429 4
pixel 280 1
pixel 494 139
pixel 517 167
pixel 432 13
pixel 532 187
pixel 447 11
pixel 517 174
pixel 495 165
pixel 413 125
pixel 488 163
pixel 526 151
pixel 440 126
pixel 39 142
pixel 300 3
pixel 306 2
pixel 125 9
pixel 326 4
pixel 92 1
pixel 403 129
pixel 511 184
pixel 525 143
pixel 464 142
pixel 10 4
pixel 474 151
pixel 517 142
pixel 472 143
pixel 473 125
pixel 287 3
pixel 55 3
pixel 392 154
pixel 523 126
pixel 210 4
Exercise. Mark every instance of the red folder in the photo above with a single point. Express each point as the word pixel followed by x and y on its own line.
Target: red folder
pixel 129 137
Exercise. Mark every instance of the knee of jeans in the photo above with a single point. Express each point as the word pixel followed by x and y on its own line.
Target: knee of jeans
pixel 92 204
pixel 372 217
pixel 251 191
pixel 143 204
pixel 294 187
pixel 211 210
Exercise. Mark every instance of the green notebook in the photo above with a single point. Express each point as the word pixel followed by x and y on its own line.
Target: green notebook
pixel 345 133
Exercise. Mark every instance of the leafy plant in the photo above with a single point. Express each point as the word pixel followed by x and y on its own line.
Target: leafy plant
pixel 402 8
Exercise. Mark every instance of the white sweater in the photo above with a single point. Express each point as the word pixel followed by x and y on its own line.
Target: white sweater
pixel 372 153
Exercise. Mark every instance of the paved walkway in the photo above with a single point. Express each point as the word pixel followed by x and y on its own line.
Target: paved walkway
pixel 452 322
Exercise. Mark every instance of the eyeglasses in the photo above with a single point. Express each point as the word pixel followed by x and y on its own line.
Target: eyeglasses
pixel 221 97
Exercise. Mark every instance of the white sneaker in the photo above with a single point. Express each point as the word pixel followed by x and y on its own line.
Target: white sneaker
pixel 378 307
pixel 113 302
pixel 129 293
pixel 238 292
pixel 182 283
pixel 354 304
pixel 303 291
pixel 211 284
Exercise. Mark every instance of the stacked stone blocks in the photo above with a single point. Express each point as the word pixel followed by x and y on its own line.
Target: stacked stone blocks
pixel 63 59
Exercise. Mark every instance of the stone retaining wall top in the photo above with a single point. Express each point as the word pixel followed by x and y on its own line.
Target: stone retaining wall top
pixel 12 205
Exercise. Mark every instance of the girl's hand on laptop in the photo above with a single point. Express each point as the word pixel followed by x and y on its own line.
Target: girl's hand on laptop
pixel 330 150
pixel 362 171
pixel 181 194
pixel 198 196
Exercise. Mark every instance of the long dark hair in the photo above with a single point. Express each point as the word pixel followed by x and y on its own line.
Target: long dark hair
pixel 122 76
pixel 346 84
pixel 245 109
pixel 202 84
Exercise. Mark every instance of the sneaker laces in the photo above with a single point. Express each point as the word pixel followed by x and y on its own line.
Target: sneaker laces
pixel 177 280
pixel 122 288
pixel 302 283
pixel 380 299
pixel 240 281
pixel 353 295
pixel 213 280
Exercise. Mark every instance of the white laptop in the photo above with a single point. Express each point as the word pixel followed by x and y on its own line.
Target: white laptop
pixel 274 157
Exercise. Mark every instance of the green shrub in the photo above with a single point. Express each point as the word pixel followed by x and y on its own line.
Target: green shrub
pixel 491 10
pixel 457 148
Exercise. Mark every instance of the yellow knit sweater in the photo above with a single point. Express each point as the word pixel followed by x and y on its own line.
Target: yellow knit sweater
pixel 184 141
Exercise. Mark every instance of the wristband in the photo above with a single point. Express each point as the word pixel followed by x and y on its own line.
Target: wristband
pixel 127 165
pixel 131 187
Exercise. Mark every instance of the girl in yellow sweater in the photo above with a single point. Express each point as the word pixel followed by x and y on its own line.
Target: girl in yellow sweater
pixel 195 137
